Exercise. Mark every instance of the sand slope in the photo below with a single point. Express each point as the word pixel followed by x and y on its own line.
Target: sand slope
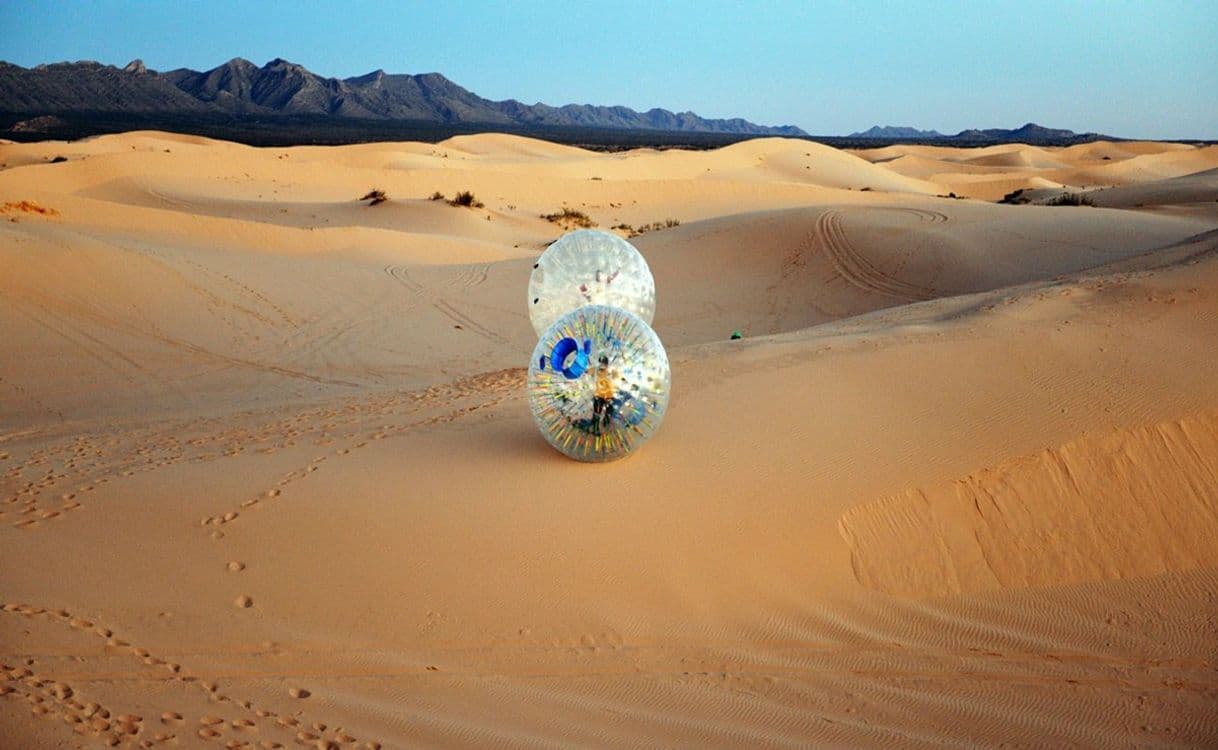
pixel 269 476
pixel 989 173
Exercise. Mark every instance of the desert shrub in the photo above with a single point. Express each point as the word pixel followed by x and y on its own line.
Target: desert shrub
pixel 1015 197
pixel 467 199
pixel 375 196
pixel 1071 199
pixel 436 196
pixel 654 226
pixel 59 159
pixel 570 217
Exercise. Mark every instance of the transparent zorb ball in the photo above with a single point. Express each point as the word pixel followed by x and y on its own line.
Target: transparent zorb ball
pixel 589 267
pixel 598 384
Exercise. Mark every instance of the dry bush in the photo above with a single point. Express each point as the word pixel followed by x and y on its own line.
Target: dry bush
pixel 467 199
pixel 569 217
pixel 654 226
pixel 1071 199
pixel 375 196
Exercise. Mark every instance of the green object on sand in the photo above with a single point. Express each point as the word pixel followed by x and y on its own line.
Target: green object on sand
pixel 736 335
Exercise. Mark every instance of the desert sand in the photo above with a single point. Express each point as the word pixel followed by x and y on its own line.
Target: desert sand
pixel 268 476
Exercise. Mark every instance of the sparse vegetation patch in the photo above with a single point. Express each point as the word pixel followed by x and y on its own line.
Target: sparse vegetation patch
pixel 1015 198
pixel 1071 199
pixel 654 226
pixel 467 199
pixel 27 207
pixel 375 197
pixel 569 217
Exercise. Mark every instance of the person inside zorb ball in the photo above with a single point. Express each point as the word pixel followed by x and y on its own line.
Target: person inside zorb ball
pixel 598 384
pixel 589 267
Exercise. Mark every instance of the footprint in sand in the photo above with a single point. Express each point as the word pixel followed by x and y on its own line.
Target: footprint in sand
pixel 299 693
pixel 243 602
pixel 236 566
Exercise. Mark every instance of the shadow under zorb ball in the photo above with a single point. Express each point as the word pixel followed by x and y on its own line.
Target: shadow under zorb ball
pixel 599 383
pixel 589 267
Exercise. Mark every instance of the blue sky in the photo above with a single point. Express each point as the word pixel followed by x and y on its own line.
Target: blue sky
pixel 1145 69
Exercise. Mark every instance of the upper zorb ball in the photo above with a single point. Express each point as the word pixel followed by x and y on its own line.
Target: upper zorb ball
pixel 598 383
pixel 589 267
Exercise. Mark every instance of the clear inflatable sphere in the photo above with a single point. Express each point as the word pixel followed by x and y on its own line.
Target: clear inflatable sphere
pixel 598 383
pixel 589 267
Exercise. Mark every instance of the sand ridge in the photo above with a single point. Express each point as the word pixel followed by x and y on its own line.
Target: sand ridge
pixel 268 477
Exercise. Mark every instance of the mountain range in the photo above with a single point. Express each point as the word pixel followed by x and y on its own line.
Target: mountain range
pixel 1030 133
pixel 886 132
pixel 239 87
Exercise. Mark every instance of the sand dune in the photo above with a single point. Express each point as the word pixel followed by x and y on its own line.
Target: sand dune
pixel 1021 157
pixel 989 173
pixel 1178 195
pixel 269 476
pixel 1068 514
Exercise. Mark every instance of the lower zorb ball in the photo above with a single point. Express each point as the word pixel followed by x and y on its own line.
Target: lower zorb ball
pixel 598 383
pixel 589 267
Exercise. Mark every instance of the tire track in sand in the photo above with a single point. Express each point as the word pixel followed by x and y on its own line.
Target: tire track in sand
pixel 856 268
pixel 47 483
pixel 466 280
pixel 477 392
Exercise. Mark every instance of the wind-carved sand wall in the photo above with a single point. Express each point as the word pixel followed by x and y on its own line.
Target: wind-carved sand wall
pixel 1129 503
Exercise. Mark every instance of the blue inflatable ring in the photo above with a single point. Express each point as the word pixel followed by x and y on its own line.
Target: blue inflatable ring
pixel 566 348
